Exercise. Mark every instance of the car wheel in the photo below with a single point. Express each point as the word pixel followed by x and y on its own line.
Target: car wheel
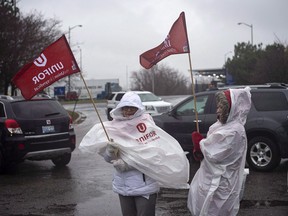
pixel 262 154
pixel 108 115
pixel 62 160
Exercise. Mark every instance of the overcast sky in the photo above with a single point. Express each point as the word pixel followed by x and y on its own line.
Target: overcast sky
pixel 116 32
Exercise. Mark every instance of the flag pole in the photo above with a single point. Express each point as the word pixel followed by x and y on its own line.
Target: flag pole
pixel 193 93
pixel 95 107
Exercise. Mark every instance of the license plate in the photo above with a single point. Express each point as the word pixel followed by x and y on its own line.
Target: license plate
pixel 48 129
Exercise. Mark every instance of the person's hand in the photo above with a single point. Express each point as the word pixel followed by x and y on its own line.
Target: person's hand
pixel 111 150
pixel 120 165
pixel 196 138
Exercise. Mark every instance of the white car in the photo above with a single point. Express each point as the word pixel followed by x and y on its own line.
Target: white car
pixel 153 104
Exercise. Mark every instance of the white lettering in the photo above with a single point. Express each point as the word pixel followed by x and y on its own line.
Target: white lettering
pixel 35 79
pixel 41 76
pixel 47 72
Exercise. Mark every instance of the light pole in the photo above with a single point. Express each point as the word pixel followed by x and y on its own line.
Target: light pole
pixel 69 33
pixel 250 26
pixel 80 58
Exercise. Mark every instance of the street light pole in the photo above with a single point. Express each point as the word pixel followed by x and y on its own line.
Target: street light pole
pixel 69 35
pixel 80 57
pixel 250 26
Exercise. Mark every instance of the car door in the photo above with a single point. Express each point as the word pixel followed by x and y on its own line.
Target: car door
pixel 184 122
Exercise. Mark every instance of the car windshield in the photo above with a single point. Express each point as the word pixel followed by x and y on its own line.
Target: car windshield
pixel 148 97
pixel 37 108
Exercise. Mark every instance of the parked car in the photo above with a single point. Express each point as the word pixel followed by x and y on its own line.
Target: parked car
pixel 153 104
pixel 72 95
pixel 37 129
pixel 266 126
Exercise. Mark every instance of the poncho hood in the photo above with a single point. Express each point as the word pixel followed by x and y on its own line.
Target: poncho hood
pixel 240 105
pixel 128 99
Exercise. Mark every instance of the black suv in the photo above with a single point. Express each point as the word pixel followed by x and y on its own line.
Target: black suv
pixel 37 129
pixel 266 126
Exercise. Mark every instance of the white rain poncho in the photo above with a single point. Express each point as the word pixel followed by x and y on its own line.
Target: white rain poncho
pixel 142 144
pixel 216 186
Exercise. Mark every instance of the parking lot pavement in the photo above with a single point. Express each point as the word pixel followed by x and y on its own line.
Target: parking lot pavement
pixel 265 194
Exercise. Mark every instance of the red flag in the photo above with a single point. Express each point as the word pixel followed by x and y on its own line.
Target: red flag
pixel 176 42
pixel 54 63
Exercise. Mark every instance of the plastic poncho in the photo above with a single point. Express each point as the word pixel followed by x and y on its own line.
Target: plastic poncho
pixel 216 186
pixel 142 144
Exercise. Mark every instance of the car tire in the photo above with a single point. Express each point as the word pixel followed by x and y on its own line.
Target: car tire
pixel 62 160
pixel 262 154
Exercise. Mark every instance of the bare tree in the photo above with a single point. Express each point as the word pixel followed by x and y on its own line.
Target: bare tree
pixel 161 80
pixel 22 39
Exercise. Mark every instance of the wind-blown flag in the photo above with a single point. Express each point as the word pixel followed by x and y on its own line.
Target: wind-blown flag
pixel 54 63
pixel 176 42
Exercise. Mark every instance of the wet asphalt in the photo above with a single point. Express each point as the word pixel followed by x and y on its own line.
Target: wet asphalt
pixel 83 188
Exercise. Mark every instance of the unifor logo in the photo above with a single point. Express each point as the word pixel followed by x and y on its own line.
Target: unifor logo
pixel 141 127
pixel 41 61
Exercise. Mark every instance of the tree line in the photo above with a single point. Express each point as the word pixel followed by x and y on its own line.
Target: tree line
pixel 22 38
pixel 255 64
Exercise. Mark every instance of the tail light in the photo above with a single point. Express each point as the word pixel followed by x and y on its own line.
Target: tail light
pixel 70 123
pixel 13 127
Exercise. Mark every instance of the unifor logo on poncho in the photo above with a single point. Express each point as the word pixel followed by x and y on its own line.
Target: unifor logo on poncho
pixel 148 137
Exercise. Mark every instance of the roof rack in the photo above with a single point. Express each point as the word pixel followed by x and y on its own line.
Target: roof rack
pixel 266 85
pixel 278 85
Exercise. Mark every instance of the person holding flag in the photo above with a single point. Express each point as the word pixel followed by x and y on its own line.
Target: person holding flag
pixel 144 156
pixel 216 186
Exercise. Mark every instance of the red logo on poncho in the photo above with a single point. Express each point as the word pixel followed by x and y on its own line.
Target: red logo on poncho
pixel 141 127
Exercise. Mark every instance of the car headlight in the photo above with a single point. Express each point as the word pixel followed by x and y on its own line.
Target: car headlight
pixel 149 108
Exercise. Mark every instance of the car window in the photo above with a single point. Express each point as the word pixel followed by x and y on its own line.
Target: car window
pixel 2 111
pixel 119 96
pixel 148 97
pixel 187 109
pixel 111 96
pixel 269 101
pixel 37 109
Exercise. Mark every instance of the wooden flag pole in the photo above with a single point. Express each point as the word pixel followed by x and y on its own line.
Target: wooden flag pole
pixel 95 107
pixel 193 93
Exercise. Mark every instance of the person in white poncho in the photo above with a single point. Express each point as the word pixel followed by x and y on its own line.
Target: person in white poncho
pixel 215 188
pixel 144 156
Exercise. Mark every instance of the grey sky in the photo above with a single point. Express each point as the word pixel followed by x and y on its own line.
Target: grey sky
pixel 116 32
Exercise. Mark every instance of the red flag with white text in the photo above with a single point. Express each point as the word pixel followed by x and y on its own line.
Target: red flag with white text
pixel 54 63
pixel 176 42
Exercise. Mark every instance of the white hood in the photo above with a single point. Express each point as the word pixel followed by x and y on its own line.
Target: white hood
pixel 128 99
pixel 240 105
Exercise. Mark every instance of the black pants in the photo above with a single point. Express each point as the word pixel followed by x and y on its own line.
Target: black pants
pixel 138 205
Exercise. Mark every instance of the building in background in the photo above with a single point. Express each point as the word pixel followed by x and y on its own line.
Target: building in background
pixel 98 88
